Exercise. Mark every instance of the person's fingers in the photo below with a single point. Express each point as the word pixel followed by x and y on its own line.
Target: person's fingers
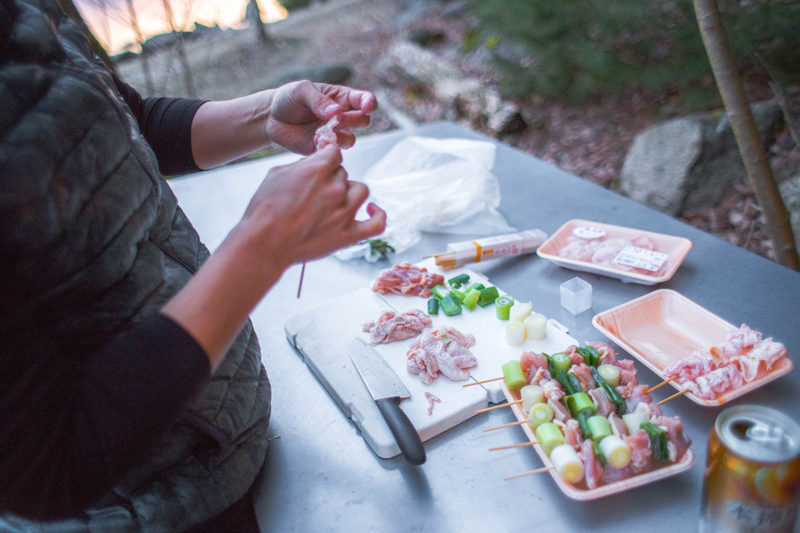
pixel 353 120
pixel 357 193
pixel 374 225
pixel 326 159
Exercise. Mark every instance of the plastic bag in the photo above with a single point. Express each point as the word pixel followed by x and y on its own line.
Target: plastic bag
pixel 435 185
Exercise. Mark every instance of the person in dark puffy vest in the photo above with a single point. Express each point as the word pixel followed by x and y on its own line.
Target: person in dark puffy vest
pixel 132 394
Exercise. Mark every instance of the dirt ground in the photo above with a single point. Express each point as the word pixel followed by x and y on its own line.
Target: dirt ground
pixel 589 140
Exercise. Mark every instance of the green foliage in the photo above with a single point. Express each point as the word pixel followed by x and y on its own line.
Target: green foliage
pixel 577 49
pixel 292 5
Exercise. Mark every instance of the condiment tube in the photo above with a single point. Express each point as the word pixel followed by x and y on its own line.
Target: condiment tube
pixel 461 253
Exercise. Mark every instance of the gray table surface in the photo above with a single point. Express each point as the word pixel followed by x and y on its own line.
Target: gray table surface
pixel 321 476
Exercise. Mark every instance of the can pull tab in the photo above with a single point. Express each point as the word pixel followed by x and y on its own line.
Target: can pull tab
pixel 767 435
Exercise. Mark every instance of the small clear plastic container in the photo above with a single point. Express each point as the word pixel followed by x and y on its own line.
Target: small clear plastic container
pixel 576 295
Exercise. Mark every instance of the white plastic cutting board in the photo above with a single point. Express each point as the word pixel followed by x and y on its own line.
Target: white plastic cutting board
pixel 321 335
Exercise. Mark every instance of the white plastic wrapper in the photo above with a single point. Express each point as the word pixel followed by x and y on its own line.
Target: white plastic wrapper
pixel 434 185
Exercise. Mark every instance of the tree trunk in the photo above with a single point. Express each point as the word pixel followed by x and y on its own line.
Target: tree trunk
pixel 148 76
pixel 747 138
pixel 253 13
pixel 187 69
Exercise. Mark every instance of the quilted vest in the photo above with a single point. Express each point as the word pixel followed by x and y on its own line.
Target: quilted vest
pixel 93 240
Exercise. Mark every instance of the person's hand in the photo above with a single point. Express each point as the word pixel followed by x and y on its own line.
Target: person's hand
pixel 307 209
pixel 299 108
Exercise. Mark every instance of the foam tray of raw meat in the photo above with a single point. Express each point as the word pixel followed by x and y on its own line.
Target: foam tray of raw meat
pixel 627 254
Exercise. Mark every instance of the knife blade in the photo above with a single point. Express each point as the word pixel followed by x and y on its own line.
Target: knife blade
pixel 387 390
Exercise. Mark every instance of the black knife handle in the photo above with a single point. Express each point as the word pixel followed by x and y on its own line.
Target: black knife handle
pixel 404 433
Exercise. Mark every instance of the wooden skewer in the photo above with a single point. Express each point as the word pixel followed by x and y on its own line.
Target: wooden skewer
pixel 479 382
pixel 300 285
pixel 512 424
pixel 513 446
pixel 665 400
pixel 537 471
pixel 651 389
pixel 486 410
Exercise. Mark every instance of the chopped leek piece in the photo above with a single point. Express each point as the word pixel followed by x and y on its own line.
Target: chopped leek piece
pixel 561 361
pixel 658 440
pixel 502 305
pixel 457 295
pixel 433 305
pixel 580 402
pixel 471 299
pixel 531 394
pixel 598 427
pixel 450 306
pixel 520 311
pixel 539 413
pixel 590 355
pixel 513 375
pixel 535 326
pixel 488 296
pixel 515 333
pixel 457 281
pixel 477 286
pixel 616 451
pixel 439 291
pixel 549 436
pixel 568 464
pixel 610 374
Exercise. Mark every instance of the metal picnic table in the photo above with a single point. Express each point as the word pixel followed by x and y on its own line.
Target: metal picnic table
pixel 320 475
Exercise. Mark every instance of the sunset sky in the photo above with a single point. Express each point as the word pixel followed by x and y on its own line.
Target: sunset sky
pixel 110 20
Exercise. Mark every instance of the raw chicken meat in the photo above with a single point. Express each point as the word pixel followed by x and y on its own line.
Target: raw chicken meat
pixel 444 350
pixel 391 326
pixel 406 279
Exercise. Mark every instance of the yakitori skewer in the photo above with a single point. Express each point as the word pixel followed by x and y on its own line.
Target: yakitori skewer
pixel 530 472
pixel 512 424
pixel 665 400
pixel 520 445
pixel 487 409
pixel 479 382
pixel 654 387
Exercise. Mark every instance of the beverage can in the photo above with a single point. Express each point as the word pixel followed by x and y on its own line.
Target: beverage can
pixel 752 475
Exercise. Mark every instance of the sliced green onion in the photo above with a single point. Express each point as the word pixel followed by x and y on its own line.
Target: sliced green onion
pixel 599 428
pixel 477 286
pixel 457 295
pixel 590 355
pixel 471 299
pixel 549 436
pixel 513 375
pixel 433 305
pixel 488 296
pixel 531 395
pixel 579 402
pixel 539 413
pixel 503 305
pixel 610 374
pixel 616 451
pixel 658 440
pixel 457 281
pixel 575 382
pixel 450 306
pixel 561 361
pixel 439 291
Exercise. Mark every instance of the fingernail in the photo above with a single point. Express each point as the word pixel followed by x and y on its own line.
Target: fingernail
pixel 330 109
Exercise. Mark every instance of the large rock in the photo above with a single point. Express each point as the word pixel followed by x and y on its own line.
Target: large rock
pixel 790 192
pixel 406 64
pixel 684 164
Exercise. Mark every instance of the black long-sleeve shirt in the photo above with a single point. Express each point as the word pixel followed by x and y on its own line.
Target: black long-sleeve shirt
pixel 71 427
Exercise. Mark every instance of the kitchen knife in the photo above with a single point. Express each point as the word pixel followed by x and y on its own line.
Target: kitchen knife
pixel 387 390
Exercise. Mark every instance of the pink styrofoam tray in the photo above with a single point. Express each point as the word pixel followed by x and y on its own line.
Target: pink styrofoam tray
pixel 663 326
pixel 627 254
pixel 579 492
